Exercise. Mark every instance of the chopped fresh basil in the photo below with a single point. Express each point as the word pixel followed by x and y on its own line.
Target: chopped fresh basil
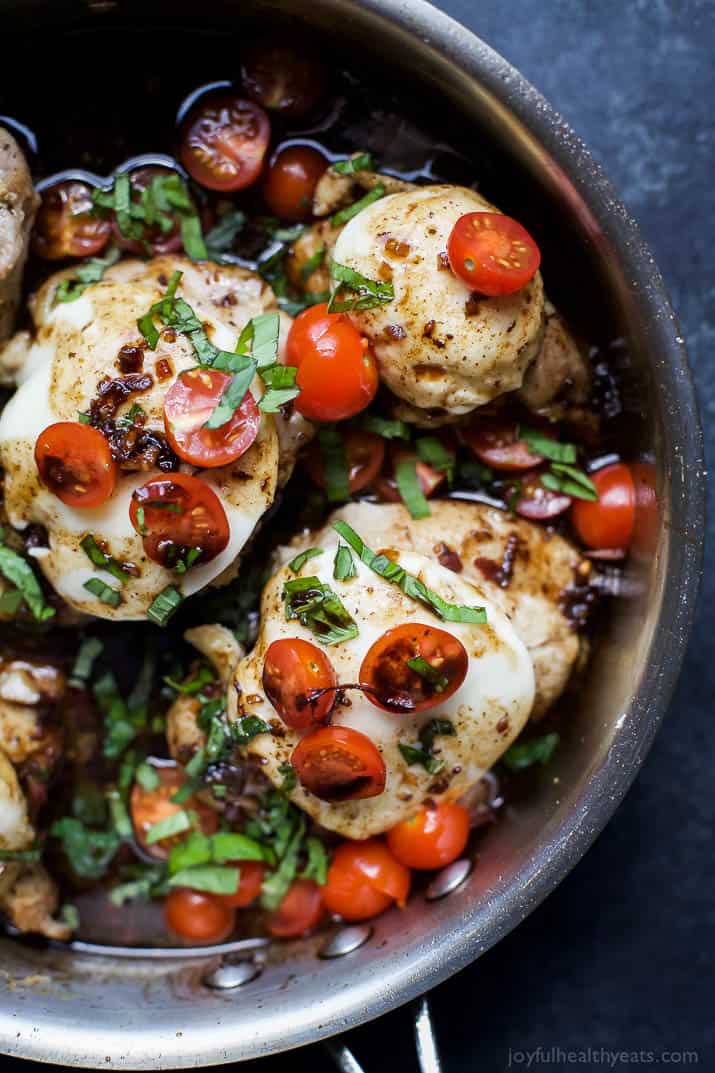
pixel 10 603
pixel 316 867
pixel 540 444
pixel 169 826
pixel 139 880
pixel 234 846
pixel 570 481
pixel 346 214
pixel 28 856
pixel 156 206
pixel 192 238
pixel 313 263
pixel 88 272
pixel 335 464
pixel 232 397
pixel 147 777
pixel 247 727
pixel 523 754
pixel 69 915
pixel 318 608
pixel 410 489
pixel 87 653
pixel 164 605
pixel 195 684
pixel 358 162
pixel 344 566
pixel 474 473
pixel 260 336
pixel 212 878
pixel 103 561
pixel 221 237
pixel 290 779
pixel 20 573
pixel 89 852
pixel 410 585
pixel 280 829
pixel 430 674
pixel 105 593
pixel 422 752
pixel 297 564
pixel 119 814
pixel 389 429
pixel 280 385
pixel 431 450
pixel 368 293
pixel 276 884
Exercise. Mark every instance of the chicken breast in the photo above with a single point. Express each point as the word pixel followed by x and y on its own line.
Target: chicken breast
pixel 18 205
pixel 487 711
pixel 439 347
pixel 76 346
pixel 524 569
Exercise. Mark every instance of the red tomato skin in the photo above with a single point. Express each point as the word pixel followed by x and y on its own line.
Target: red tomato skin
pixel 537 503
pixel 198 917
pixel 339 764
pixel 364 879
pixel 65 226
pixel 432 838
pixel 147 807
pixel 300 911
pixel 250 880
pixel 608 521
pixel 189 403
pixel 494 443
pixel 337 373
pixel 364 452
pixel 223 143
pixel 291 181
pixel 492 253
pixel 165 529
pixel 81 452
pixel 392 686
pixel 292 669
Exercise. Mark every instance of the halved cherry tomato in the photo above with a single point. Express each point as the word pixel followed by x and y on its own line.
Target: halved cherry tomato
pixel 364 454
pixel 432 838
pixel 223 143
pixel 494 443
pixel 291 181
pixel 148 807
pixel 75 462
pixel 283 77
pixel 161 240
pixel 300 911
pixel 364 879
pixel 294 674
pixel 533 501
pixel 431 480
pixel 250 881
pixel 608 521
pixel 339 764
pixel 65 226
pixel 491 253
pixel 391 684
pixel 188 405
pixel 202 918
pixel 176 515
pixel 337 373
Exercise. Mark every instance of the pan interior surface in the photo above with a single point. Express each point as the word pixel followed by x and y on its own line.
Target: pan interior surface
pixel 140 1014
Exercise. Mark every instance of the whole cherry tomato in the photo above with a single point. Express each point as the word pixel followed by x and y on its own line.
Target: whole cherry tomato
pixel 291 181
pixel 364 454
pixel 364 879
pixel 337 374
pixel 199 917
pixel 188 405
pixel 65 226
pixel 295 673
pixel 432 838
pixel 300 911
pixel 492 254
pixel 608 521
pixel 180 519
pixel 75 462
pixel 339 764
pixel 223 143
pixel 413 667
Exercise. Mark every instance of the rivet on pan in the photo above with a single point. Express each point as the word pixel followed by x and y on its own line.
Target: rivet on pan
pixel 346 940
pixel 232 974
pixel 448 879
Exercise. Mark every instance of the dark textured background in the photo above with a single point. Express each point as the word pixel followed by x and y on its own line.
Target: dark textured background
pixel 621 955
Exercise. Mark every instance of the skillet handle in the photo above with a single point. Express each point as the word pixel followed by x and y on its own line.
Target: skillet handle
pixel 425 1044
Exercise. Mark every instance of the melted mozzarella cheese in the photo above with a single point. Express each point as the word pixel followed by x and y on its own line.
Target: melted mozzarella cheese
pixel 438 346
pixel 76 347
pixel 487 711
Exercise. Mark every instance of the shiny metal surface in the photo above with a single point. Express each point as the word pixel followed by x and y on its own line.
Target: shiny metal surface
pixel 232 975
pixel 346 940
pixel 447 881
pixel 63 1007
